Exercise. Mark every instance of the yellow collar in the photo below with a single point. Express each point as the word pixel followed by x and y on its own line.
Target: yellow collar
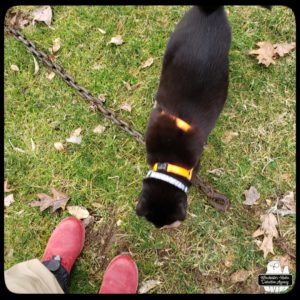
pixel 186 173
pixel 179 122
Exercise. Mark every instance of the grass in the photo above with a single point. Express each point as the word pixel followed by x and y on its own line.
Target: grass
pixel 107 169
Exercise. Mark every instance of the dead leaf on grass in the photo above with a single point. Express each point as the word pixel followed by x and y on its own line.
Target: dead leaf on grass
pixel 75 137
pixel 17 18
pixel 58 200
pixel 50 75
pixel 284 48
pixel 59 146
pixel 74 140
pixel 228 136
pixel 102 31
pixel 126 106
pixel 117 40
pixel 43 14
pixel 251 196
pixel 288 201
pixel 269 202
pixel 7 189
pixel 15 68
pixel 8 200
pixel 36 66
pixel 240 276
pixel 148 285
pixel 268 229
pixel 147 63
pixel 99 129
pixel 101 97
pixel 267 52
pixel 56 45
pixel 78 211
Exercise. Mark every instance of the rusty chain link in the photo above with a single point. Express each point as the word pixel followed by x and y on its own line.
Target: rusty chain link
pixel 219 201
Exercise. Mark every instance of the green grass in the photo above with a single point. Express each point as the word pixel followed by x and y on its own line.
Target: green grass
pixel 107 169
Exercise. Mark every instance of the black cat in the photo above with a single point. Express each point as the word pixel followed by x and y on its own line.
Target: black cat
pixel 191 94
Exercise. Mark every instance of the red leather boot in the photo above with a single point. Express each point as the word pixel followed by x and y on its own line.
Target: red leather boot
pixel 120 277
pixel 64 246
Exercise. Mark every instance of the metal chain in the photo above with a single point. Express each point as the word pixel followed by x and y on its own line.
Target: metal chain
pixel 42 56
pixel 219 201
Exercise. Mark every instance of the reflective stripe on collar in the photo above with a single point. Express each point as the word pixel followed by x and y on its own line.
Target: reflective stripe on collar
pixel 168 179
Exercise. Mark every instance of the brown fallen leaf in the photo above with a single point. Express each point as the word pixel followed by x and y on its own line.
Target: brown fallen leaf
pixel 75 137
pixel 284 48
pixel 78 211
pixel 74 140
pixel 45 201
pixel 126 106
pixel 56 45
pixel 99 129
pixel 59 146
pixel 101 97
pixel 228 136
pixel 288 201
pixel 15 68
pixel 17 18
pixel 268 229
pixel 147 63
pixel 148 285
pixel 251 196
pixel 51 75
pixel 117 40
pixel 58 200
pixel 102 31
pixel 36 65
pixel 269 202
pixel 76 132
pixel 7 189
pixel 8 200
pixel 265 53
pixel 240 276
pixel 43 14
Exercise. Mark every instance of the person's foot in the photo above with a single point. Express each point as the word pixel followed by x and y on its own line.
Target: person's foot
pixel 63 248
pixel 120 277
